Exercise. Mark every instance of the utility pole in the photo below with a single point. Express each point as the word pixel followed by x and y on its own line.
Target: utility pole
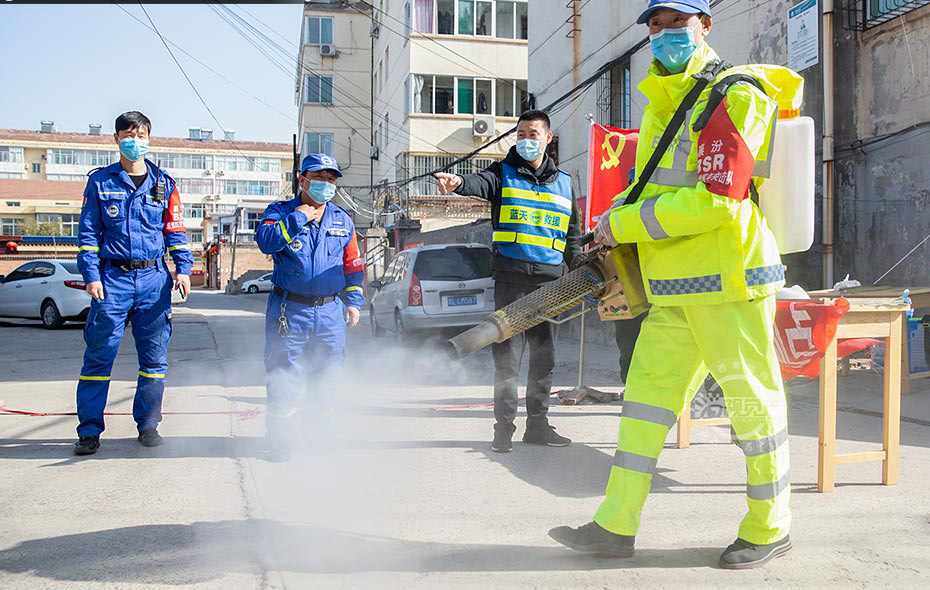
pixel 235 241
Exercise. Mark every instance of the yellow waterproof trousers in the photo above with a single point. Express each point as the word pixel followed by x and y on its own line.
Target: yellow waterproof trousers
pixel 675 350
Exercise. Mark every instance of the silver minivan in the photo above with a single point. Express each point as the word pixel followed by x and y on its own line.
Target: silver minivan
pixel 441 286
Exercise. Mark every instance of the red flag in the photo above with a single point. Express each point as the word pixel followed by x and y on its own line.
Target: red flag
pixel 611 156
pixel 804 329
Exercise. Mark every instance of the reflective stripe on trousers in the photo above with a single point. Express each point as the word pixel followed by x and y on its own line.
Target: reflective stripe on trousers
pixel 675 350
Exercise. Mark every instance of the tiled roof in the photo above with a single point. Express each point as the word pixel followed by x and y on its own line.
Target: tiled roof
pixel 29 189
pixel 156 142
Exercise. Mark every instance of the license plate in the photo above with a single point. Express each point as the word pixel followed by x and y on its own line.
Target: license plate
pixel 460 301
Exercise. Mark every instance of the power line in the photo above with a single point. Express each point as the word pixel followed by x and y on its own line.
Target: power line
pixel 557 29
pixel 193 87
pixel 298 61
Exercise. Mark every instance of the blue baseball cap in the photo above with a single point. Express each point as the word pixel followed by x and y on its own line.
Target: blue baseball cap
pixel 314 162
pixel 686 6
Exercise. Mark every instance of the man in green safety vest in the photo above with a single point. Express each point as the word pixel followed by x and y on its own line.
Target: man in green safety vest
pixel 536 231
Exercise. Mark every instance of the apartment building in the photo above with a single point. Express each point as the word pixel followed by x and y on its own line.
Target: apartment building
pixel 448 77
pixel 333 92
pixel 43 174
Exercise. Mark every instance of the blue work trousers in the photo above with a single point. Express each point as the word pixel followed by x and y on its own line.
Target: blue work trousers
pixel 309 352
pixel 143 299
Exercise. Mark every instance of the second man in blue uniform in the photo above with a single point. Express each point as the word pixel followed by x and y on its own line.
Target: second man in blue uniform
pixel 317 294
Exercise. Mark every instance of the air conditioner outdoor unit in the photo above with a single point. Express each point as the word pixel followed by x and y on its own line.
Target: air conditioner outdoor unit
pixel 375 28
pixel 375 152
pixel 483 126
pixel 328 50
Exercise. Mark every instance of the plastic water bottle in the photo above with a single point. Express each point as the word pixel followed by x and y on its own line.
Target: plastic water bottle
pixel 787 197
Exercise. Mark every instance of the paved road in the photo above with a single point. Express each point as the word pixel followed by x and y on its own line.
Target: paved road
pixel 403 492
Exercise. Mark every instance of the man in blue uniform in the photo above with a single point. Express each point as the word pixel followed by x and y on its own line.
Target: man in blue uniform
pixel 536 231
pixel 317 293
pixel 130 217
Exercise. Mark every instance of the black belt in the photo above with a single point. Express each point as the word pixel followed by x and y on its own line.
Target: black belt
pixel 128 265
pixel 305 299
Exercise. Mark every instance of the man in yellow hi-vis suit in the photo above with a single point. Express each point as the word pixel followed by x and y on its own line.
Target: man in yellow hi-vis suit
pixel 711 268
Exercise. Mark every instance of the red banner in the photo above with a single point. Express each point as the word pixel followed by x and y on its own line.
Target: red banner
pixel 611 156
pixel 804 329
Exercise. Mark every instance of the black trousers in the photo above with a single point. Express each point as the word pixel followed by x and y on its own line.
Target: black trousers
pixel 508 357
pixel 626 332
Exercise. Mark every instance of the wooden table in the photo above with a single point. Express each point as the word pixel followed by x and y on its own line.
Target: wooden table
pixel 866 318
pixel 920 299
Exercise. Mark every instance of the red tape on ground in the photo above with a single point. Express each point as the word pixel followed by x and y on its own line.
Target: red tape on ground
pixel 241 414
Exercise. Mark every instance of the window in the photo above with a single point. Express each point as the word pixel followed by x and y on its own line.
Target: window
pixel 195 186
pixel 512 20
pixel 318 143
pixel 12 226
pixel 408 18
pixel 11 175
pixel 183 161
pixel 14 203
pixel 445 19
pixel 43 269
pixel 453 264
pixel 466 17
pixel 63 224
pixel 66 177
pixel 466 93
pixel 483 18
pixel 319 89
pixel 506 103
pixel 37 168
pixel 63 156
pixel 195 237
pixel 319 30
pixel 193 210
pixel 876 12
pixel 425 20
pixel 11 154
pixel 415 165
pixel 251 187
pixel 620 84
pixel 21 273
pixel 253 220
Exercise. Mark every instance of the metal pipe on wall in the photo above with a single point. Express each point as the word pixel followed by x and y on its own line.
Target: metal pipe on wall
pixel 828 129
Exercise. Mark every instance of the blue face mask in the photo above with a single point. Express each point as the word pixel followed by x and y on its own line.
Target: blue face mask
pixel 673 47
pixel 529 149
pixel 321 191
pixel 133 148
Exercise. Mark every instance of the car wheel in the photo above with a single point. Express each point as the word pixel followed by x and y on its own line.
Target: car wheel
pixel 399 328
pixel 51 317
pixel 253 289
pixel 376 330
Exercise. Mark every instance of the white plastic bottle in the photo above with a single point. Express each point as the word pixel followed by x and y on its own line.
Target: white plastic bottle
pixel 787 197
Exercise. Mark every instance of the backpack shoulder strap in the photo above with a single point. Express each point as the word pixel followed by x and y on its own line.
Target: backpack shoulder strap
pixel 704 77
pixel 719 92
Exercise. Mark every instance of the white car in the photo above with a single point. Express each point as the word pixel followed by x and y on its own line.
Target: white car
pixel 50 290
pixel 439 286
pixel 262 283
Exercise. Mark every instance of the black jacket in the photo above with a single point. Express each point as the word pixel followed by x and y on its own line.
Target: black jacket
pixel 487 184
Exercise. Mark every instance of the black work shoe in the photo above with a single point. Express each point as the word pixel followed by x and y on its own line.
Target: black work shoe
pixel 87 445
pixel 503 441
pixel 149 437
pixel 545 435
pixel 743 555
pixel 592 538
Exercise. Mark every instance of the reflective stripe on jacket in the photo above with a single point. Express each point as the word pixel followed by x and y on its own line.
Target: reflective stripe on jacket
pixel 701 240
